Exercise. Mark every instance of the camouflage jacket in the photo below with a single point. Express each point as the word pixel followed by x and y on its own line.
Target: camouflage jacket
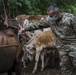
pixel 64 29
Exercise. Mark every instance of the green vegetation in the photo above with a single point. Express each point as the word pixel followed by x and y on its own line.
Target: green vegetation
pixel 34 7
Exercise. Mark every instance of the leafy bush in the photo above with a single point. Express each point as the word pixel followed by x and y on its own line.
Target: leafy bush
pixel 35 7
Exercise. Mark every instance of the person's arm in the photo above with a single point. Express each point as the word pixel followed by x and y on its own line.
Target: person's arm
pixel 73 23
pixel 37 25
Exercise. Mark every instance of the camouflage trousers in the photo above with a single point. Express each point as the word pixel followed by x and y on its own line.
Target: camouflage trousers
pixel 67 54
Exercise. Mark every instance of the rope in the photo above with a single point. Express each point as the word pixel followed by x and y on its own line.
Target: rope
pixel 9 45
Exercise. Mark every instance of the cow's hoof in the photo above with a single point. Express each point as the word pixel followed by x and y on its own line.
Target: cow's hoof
pixel 33 71
pixel 24 66
pixel 42 69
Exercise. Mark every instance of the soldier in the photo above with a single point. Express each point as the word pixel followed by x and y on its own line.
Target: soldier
pixel 64 27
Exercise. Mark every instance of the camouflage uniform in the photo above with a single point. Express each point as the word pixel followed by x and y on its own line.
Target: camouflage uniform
pixel 65 31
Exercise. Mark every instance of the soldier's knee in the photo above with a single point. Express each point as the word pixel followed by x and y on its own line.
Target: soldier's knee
pixel 74 62
pixel 62 53
pixel 64 60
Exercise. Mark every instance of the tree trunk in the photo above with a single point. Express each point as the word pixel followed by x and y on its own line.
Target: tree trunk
pixel 5 6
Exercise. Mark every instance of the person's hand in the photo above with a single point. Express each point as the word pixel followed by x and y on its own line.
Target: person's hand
pixel 21 31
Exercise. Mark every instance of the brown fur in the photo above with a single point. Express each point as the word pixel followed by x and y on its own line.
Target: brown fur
pixel 10 53
pixel 40 42
pixel 9 33
pixel 31 18
pixel 46 39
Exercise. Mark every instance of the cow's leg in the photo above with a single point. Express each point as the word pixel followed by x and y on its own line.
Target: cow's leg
pixel 24 64
pixel 18 69
pixel 46 61
pixel 9 73
pixel 47 58
pixel 36 60
pixel 53 58
pixel 42 60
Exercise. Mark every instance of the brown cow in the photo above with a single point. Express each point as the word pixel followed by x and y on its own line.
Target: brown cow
pixel 10 51
pixel 40 43
pixel 24 20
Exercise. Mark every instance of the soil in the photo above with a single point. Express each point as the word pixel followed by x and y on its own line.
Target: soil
pixel 49 70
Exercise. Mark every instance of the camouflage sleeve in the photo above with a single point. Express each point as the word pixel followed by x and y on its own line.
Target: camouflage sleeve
pixel 73 23
pixel 37 25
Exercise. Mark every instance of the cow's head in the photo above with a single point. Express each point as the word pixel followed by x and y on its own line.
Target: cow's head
pixel 29 52
pixel 22 22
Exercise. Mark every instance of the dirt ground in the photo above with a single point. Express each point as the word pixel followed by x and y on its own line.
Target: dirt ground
pixel 49 70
